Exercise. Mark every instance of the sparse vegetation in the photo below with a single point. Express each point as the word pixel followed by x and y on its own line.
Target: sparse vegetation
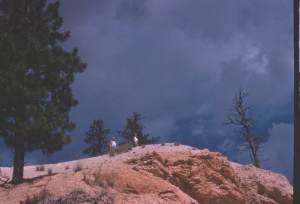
pixel 3 178
pixel 40 168
pixel 78 191
pixel 190 162
pixel 50 171
pixel 99 180
pixel 125 147
pixel 78 167
pixel 37 198
pixel 75 196
pixel 105 197
pixel 30 200
pixel 85 178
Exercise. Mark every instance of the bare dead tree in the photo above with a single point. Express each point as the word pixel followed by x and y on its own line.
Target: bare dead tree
pixel 240 116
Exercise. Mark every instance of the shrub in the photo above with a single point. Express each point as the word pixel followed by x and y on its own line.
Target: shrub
pixel 98 181
pixel 78 167
pixel 74 196
pixel 37 198
pixel 105 196
pixel 78 191
pixel 126 147
pixel 40 168
pixel 49 171
pixel 30 200
pixel 85 179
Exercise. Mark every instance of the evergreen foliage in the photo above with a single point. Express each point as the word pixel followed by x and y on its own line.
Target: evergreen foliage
pixel 96 137
pixel 35 78
pixel 133 125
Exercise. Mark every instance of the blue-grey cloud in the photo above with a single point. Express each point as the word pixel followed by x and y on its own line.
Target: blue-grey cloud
pixel 179 63
pixel 278 150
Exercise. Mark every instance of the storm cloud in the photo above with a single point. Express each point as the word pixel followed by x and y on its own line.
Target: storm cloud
pixel 179 63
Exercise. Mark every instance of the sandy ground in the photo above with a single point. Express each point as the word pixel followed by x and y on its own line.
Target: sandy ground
pixel 70 166
pixel 64 179
pixel 130 185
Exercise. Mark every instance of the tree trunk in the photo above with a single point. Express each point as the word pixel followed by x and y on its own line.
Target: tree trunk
pixel 19 154
pixel 255 157
pixel 252 146
pixel 254 151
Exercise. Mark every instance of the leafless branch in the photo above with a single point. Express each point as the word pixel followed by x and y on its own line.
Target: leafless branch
pixel 3 179
pixel 240 116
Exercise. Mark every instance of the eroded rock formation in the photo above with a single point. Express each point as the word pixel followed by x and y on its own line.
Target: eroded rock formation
pixel 209 177
pixel 156 174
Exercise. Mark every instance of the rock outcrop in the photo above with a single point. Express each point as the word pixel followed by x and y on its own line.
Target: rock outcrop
pixel 156 174
pixel 209 177
pixel 263 186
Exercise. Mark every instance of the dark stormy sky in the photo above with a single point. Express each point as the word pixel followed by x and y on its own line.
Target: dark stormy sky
pixel 178 63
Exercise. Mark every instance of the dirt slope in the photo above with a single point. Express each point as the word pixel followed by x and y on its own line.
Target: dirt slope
pixel 152 174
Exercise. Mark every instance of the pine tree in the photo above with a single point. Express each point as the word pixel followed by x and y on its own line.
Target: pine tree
pixel 133 126
pixel 35 78
pixel 96 137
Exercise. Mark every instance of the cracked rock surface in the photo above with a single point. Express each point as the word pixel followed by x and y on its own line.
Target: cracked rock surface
pixel 163 174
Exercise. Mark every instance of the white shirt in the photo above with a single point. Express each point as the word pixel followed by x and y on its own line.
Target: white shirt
pixel 113 143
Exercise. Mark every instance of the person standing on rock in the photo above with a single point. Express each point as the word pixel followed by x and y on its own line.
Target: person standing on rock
pixel 135 140
pixel 113 144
